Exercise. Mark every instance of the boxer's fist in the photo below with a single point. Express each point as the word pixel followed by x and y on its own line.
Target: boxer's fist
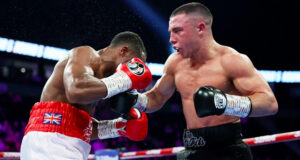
pixel 137 125
pixel 133 74
pixel 139 74
pixel 209 101
pixel 123 102
pixel 212 101
pixel 134 126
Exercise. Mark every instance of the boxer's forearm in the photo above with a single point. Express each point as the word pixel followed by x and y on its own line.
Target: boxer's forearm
pixel 155 101
pixel 263 104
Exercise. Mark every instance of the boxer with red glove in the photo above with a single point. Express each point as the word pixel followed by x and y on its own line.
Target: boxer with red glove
pixel 134 126
pixel 133 74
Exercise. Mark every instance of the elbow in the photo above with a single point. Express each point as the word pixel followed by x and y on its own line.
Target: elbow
pixel 274 107
pixel 154 107
pixel 151 110
pixel 73 95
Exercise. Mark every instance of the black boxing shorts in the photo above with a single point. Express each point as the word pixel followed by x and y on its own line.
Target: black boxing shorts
pixel 222 142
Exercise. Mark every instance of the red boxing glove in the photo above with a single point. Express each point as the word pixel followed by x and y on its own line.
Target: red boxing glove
pixel 137 128
pixel 133 74
pixel 138 73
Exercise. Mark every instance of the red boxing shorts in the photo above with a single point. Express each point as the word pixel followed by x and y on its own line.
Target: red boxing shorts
pixel 57 130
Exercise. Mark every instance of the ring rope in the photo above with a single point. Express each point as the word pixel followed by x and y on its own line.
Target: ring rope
pixel 261 140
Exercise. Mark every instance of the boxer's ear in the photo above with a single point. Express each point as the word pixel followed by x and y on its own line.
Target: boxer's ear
pixel 201 27
pixel 124 51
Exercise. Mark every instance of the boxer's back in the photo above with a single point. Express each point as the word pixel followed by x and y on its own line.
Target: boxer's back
pixel 54 88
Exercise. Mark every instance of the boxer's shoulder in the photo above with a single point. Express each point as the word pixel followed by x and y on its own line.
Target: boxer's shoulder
pixel 173 58
pixel 230 54
pixel 172 62
pixel 83 50
pixel 234 62
pixel 83 54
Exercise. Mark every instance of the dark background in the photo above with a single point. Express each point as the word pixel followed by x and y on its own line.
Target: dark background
pixel 267 31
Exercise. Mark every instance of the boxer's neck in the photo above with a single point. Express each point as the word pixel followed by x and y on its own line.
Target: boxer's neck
pixel 109 56
pixel 206 51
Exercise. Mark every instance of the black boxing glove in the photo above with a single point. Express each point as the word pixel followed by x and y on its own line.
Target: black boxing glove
pixel 212 101
pixel 121 103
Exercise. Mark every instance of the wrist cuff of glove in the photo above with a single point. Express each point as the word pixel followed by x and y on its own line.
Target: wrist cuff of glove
pixel 141 103
pixel 108 128
pixel 117 83
pixel 240 106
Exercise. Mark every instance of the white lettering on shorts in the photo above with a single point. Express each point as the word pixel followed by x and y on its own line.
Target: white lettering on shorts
pixel 191 141
pixel 88 131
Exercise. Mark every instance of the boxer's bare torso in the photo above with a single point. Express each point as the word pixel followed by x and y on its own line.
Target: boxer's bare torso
pixel 189 76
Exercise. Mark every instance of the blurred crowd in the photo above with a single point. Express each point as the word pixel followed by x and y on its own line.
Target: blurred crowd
pixel 11 135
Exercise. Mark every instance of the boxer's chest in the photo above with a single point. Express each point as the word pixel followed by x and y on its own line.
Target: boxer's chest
pixel 188 79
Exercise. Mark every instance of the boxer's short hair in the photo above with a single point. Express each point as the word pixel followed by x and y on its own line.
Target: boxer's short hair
pixel 134 42
pixel 194 8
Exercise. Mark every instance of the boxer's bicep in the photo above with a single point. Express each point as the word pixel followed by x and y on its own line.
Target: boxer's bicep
pixel 249 82
pixel 77 67
pixel 245 77
pixel 74 74
pixel 78 74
